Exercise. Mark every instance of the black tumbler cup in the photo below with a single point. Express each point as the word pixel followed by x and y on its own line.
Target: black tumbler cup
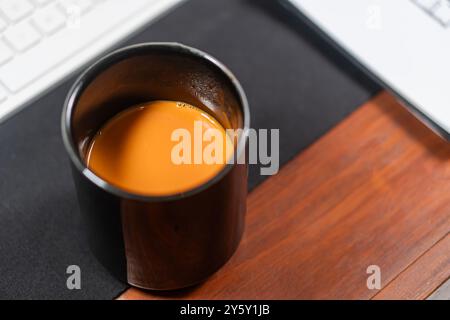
pixel 164 242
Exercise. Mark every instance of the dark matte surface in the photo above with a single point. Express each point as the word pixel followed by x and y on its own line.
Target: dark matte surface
pixel 292 81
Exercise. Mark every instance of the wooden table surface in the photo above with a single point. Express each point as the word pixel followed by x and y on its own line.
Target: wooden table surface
pixel 375 190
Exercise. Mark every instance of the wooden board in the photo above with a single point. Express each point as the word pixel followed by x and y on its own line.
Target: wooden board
pixel 423 276
pixel 375 190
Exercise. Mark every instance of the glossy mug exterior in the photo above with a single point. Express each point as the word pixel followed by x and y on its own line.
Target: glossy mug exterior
pixel 169 242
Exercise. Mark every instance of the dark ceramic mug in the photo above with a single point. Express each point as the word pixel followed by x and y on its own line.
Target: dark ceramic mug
pixel 168 242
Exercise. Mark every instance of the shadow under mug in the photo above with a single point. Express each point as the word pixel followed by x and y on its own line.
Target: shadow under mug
pixel 164 242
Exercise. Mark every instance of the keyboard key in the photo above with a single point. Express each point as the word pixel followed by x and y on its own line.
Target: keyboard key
pixel 49 20
pixel 5 53
pixel 22 36
pixel 82 5
pixel 15 10
pixel 443 13
pixel 2 94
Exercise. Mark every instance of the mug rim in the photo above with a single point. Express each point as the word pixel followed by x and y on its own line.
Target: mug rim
pixel 89 74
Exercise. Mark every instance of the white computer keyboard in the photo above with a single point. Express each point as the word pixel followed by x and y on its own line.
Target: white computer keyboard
pixel 44 41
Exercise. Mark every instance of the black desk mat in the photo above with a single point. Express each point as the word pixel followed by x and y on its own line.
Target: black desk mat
pixel 294 81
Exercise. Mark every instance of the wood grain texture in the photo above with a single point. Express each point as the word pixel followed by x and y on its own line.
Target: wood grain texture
pixel 423 276
pixel 374 190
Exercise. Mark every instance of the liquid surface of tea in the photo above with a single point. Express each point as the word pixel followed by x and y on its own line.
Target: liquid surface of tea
pixel 134 150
